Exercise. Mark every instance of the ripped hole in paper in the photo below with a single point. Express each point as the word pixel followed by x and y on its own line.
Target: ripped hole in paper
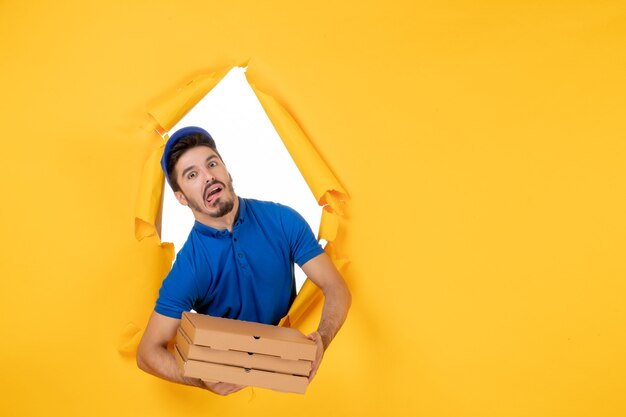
pixel 253 152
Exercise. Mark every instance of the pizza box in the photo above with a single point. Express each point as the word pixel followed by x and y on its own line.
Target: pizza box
pixel 244 336
pixel 208 371
pixel 242 359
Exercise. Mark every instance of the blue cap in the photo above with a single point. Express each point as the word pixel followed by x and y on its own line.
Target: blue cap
pixel 178 135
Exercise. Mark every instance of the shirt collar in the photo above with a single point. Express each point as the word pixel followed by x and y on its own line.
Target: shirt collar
pixel 210 231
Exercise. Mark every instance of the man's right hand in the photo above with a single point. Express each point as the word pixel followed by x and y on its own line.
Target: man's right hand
pixel 222 388
pixel 154 358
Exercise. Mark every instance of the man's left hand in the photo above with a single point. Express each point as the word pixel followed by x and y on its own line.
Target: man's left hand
pixel 317 338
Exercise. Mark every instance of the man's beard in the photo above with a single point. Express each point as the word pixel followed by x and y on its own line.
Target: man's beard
pixel 224 207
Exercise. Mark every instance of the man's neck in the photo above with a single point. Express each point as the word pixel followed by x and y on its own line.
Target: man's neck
pixel 227 221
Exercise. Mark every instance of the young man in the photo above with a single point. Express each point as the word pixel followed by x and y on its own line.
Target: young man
pixel 237 262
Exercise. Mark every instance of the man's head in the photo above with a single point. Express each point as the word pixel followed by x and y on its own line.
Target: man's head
pixel 181 141
pixel 197 174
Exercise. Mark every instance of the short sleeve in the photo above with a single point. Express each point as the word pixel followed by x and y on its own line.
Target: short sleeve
pixel 303 244
pixel 179 290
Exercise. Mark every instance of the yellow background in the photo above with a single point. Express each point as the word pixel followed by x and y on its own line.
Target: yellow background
pixel 483 148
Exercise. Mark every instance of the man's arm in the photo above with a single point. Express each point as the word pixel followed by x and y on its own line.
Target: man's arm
pixel 337 300
pixel 154 358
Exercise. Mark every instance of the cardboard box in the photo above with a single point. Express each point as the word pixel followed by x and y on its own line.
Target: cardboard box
pixel 242 376
pixel 240 359
pixel 227 334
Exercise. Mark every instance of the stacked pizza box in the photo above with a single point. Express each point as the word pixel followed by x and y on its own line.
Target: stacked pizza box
pixel 244 353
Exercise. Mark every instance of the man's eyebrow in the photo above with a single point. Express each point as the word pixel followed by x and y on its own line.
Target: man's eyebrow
pixel 186 170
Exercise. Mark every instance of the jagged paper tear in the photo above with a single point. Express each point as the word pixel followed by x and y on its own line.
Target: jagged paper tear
pixel 322 182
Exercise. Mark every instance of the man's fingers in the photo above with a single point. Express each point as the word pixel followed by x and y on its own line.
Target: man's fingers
pixel 222 388
pixel 234 388
pixel 317 338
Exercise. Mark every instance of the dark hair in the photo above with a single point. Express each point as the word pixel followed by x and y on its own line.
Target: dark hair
pixel 181 146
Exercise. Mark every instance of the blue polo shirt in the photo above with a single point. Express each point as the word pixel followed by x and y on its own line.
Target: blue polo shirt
pixel 244 275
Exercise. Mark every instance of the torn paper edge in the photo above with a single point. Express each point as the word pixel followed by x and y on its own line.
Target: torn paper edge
pixel 329 193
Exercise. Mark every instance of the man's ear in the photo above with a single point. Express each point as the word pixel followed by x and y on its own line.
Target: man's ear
pixel 181 198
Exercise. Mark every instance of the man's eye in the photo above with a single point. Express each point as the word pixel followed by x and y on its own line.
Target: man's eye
pixel 212 164
pixel 191 175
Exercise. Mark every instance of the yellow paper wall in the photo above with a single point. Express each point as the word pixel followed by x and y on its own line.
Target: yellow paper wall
pixel 482 145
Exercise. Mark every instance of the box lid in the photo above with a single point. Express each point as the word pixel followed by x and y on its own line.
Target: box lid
pixel 242 359
pixel 228 334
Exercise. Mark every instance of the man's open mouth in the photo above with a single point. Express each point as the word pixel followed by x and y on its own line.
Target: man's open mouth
pixel 212 193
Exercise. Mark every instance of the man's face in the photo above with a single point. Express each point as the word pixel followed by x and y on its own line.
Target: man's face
pixel 205 184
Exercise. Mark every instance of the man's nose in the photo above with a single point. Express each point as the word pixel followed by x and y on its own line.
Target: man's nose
pixel 208 177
